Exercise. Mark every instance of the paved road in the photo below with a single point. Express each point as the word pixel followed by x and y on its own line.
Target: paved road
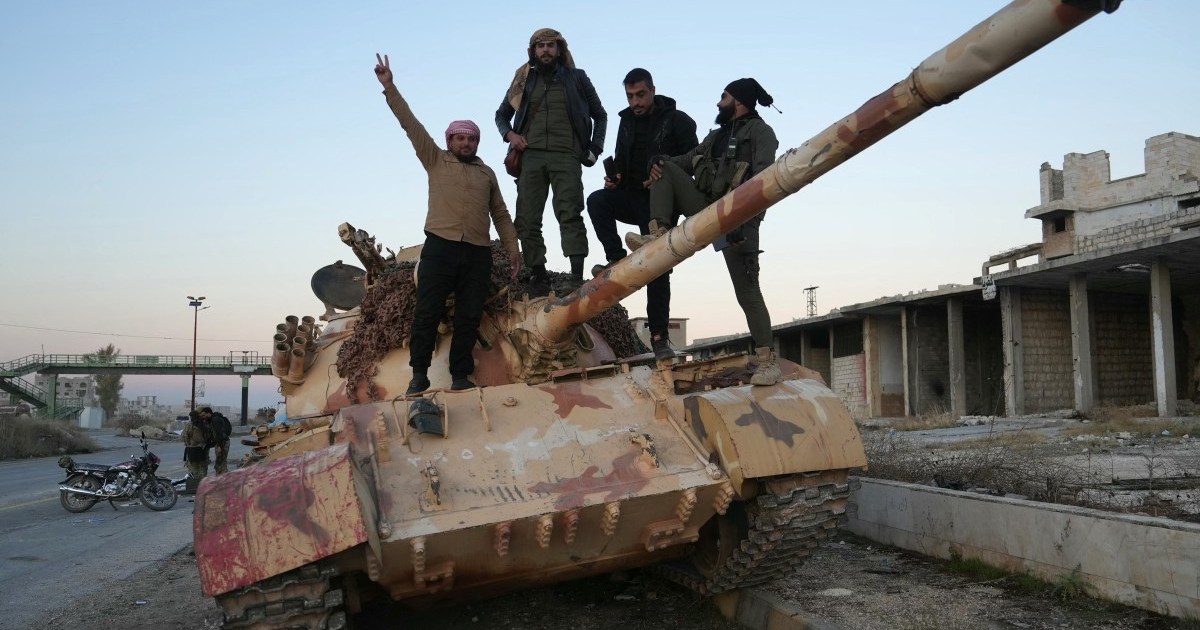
pixel 49 556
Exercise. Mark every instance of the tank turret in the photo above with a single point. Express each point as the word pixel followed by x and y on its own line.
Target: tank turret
pixel 572 457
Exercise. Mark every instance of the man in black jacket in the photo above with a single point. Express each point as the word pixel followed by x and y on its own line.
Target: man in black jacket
pixel 649 126
pixel 221 429
pixel 559 124
pixel 682 185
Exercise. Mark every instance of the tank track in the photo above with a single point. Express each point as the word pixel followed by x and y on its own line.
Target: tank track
pixel 789 518
pixel 302 598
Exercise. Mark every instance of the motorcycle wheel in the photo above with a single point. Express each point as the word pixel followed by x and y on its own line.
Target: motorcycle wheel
pixel 158 494
pixel 75 502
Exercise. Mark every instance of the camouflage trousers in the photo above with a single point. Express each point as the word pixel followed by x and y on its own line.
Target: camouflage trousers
pixel 198 471
pixel 221 465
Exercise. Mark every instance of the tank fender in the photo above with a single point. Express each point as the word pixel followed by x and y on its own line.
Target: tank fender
pixel 276 516
pixel 792 427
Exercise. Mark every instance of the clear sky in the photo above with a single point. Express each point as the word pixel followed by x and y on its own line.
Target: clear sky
pixel 153 150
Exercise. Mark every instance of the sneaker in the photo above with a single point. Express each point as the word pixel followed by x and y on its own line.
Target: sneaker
pixel 418 384
pixel 767 372
pixel 460 384
pixel 662 347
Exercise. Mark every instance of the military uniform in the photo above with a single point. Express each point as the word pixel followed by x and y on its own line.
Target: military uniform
pixel 196 436
pixel 560 115
pixel 221 429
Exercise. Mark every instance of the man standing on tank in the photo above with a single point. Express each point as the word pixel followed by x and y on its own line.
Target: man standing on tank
pixel 740 147
pixel 559 124
pixel 464 201
pixel 651 125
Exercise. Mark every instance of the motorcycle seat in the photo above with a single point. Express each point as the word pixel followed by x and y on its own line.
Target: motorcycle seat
pixel 96 467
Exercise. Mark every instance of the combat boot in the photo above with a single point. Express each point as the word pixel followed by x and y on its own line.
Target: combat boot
pixel 633 240
pixel 767 372
pixel 577 268
pixel 539 281
pixel 661 344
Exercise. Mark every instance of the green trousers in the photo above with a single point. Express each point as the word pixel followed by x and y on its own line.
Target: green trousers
pixel 676 195
pixel 198 470
pixel 221 466
pixel 541 171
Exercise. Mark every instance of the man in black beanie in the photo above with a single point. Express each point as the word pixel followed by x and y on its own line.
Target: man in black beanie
pixel 740 147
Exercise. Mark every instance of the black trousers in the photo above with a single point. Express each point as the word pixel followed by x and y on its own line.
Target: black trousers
pixel 449 267
pixel 605 208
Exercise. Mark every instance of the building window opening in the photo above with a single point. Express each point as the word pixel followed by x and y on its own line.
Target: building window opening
pixel 1060 225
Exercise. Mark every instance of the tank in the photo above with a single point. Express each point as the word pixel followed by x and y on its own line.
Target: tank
pixel 573 457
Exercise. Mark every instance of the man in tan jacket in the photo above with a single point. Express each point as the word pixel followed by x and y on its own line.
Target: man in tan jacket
pixel 464 200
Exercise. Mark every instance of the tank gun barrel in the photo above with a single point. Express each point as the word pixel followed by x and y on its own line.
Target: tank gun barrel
pixel 1011 34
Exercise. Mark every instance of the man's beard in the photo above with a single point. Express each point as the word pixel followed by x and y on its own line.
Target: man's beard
pixel 724 115
pixel 547 67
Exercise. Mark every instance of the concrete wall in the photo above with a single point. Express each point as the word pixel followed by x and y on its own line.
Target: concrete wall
pixel 1151 563
pixel 929 352
pixel 849 383
pixel 983 346
pixel 1124 368
pixel 818 357
pixel 1046 331
pixel 1156 218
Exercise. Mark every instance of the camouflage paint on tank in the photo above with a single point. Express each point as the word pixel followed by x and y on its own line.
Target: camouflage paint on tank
pixel 253 523
pixel 561 469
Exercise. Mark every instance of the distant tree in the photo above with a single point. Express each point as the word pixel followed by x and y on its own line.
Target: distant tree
pixel 108 386
pixel 265 412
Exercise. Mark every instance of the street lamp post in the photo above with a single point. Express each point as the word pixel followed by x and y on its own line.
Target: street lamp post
pixel 195 304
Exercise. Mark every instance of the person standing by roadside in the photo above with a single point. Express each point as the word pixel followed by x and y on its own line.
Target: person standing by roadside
pixel 651 125
pixel 196 438
pixel 740 147
pixel 221 430
pixel 559 124
pixel 464 202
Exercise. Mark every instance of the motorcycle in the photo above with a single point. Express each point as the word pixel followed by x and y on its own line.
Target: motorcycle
pixel 88 484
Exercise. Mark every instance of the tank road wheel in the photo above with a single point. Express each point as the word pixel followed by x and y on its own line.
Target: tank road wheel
pixel 74 502
pixel 766 537
pixel 303 598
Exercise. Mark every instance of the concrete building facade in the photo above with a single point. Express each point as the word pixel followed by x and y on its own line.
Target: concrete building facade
pixel 1106 313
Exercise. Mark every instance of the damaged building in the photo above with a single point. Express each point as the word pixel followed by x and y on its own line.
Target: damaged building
pixel 1105 310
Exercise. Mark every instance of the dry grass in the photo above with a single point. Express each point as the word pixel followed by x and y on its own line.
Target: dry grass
pixel 27 437
pixel 1002 463
pixel 935 417
pixel 1009 439
pixel 1139 421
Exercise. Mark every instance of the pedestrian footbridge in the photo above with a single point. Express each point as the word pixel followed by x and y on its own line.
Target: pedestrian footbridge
pixel 240 363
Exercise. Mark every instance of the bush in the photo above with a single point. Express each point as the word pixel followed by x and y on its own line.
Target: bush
pixel 130 423
pixel 28 437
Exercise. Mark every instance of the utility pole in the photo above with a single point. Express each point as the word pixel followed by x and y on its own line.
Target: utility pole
pixel 195 303
pixel 811 294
